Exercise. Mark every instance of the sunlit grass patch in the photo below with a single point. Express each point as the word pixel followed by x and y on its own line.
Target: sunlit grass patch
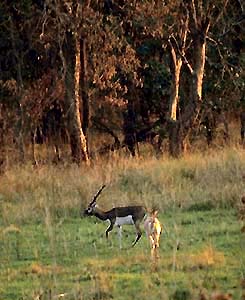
pixel 206 257
pixel 40 269
pixel 124 262
pixel 11 228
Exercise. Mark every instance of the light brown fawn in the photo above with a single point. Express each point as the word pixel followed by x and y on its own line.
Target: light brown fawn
pixel 153 229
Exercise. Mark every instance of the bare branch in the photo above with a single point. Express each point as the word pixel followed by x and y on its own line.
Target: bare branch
pixel 188 64
pixel 173 53
pixel 221 12
pixel 194 13
pixel 240 3
pixel 182 54
pixel 242 19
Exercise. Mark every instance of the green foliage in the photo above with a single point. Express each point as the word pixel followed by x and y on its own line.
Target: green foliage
pixel 202 206
pixel 181 294
pixel 156 84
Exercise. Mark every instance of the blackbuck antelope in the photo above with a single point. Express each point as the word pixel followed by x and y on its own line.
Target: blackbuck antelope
pixel 118 216
pixel 153 231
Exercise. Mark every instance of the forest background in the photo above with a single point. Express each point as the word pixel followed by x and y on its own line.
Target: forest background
pixel 86 78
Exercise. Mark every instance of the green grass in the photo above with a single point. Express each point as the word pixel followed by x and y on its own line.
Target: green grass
pixel 75 259
pixel 47 249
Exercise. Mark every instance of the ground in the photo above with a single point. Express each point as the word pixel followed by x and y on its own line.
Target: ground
pixel 201 251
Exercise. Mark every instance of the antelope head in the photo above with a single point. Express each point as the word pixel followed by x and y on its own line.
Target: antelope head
pixel 89 211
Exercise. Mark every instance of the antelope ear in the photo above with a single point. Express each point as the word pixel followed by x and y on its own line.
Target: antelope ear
pixel 155 212
pixel 94 205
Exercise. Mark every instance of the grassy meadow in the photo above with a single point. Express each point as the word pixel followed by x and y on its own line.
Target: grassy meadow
pixel 47 251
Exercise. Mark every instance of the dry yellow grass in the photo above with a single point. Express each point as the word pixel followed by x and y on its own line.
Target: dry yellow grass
pixel 215 177
pixel 207 257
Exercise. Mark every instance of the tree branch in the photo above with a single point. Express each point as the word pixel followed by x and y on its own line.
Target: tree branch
pixel 182 54
pixel 220 13
pixel 194 13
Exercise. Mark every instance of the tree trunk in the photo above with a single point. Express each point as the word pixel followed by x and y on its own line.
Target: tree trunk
pixel 177 50
pixel 18 128
pixel 2 143
pixel 191 110
pixel 129 128
pixel 84 90
pixel 33 148
pixel 19 133
pixel 175 141
pixel 175 145
pixel 72 98
pixel 199 64
pixel 174 96
pixel 242 118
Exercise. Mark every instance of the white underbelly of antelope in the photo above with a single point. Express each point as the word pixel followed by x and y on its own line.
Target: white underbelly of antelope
pixel 128 220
